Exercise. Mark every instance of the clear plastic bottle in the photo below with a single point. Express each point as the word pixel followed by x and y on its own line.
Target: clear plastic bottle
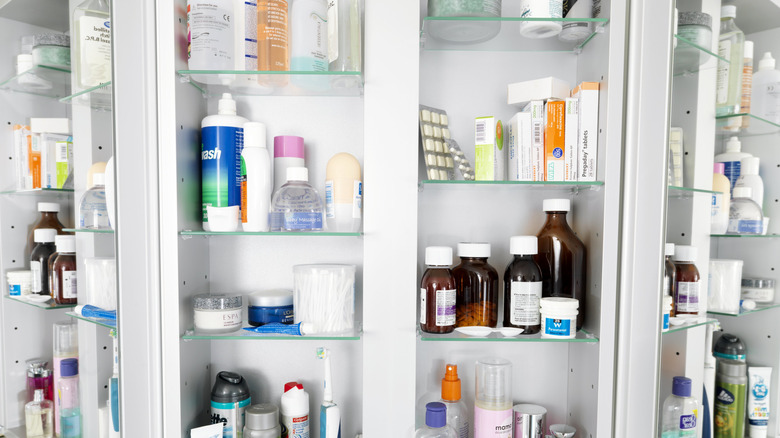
pixel 435 423
pixel 68 393
pixel 344 37
pixel 749 177
pixel 728 96
pixel 679 413
pixel 457 415
pixel 493 404
pixel 745 215
pixel 38 417
pixel 297 206
pixel 732 160
pixel 92 43
pixel 721 201
pixel 747 83
pixel 766 95
pixel 93 213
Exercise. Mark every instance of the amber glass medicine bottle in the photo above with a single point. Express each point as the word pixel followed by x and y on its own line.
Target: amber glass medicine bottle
pixel 64 271
pixel 476 284
pixel 686 291
pixel 437 292
pixel 48 219
pixel 523 286
pixel 561 257
pixel 39 260
pixel 669 270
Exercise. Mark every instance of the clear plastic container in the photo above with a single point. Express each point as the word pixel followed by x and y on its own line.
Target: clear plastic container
pixel 297 206
pixel 679 413
pixel 38 417
pixel 68 393
pixel 493 404
pixel 51 50
pixel 728 95
pixel 435 423
pixel 93 213
pixel 745 215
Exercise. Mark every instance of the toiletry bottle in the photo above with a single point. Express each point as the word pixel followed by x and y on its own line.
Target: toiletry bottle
pixel 728 94
pixel 262 421
pixel 63 272
pixel 732 159
pixel 256 181
pixel 39 376
pixel 113 391
pixel 272 36
pixel 92 43
pixel 437 292
pixel 68 394
pixel 330 414
pixel 523 286
pixel 211 42
pixel 93 212
pixel 288 152
pixel 222 140
pixel 48 219
pixel 749 177
pixel 343 193
pixel 38 417
pixel 765 95
pixel 39 260
pixel 721 202
pixel 297 206
pixel 66 346
pixel 436 423
pixel 759 379
pixel 561 257
pixel 457 415
pixel 344 36
pixel 245 27
pixel 730 399
pixel 747 83
pixel 295 410
pixel 476 285
pixel 679 412
pixel 493 404
pixel 576 30
pixel 745 215
pixel 309 41
pixel 669 270
pixel 687 292
pixel 229 399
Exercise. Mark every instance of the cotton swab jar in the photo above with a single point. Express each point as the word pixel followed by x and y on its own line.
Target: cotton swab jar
pixel 324 297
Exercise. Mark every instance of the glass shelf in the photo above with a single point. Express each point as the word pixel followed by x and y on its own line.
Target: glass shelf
pixel 49 305
pixel 212 83
pixel 757 125
pixel 39 192
pixel 87 230
pixel 16 432
pixel 759 308
pixel 680 328
pixel 572 186
pixel 582 336
pixel 243 335
pixel 41 80
pixel 107 323
pixel 269 233
pixel 746 236
pixel 687 193
pixel 689 57
pixel 97 97
pixel 499 34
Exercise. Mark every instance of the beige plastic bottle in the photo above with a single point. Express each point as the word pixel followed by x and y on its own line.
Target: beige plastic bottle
pixel 343 194
pixel 721 202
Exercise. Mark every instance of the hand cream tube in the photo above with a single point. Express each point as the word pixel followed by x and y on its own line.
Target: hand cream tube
pixel 759 379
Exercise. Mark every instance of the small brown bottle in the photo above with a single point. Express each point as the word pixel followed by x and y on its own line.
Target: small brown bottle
pixel 64 288
pixel 687 284
pixel 48 219
pixel 437 292
pixel 39 260
pixel 476 283
pixel 523 286
pixel 669 271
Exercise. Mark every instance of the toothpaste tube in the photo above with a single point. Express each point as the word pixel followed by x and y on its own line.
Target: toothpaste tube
pixel 298 329
pixel 88 311
pixel 758 400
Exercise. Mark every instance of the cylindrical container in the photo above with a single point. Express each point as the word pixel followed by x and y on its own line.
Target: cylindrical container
pixel 694 27
pixel 229 400
pixel 66 346
pixel 343 193
pixel 464 8
pixel 559 317
pixel 217 313
pixel 256 182
pixel 100 290
pixel 669 270
pixel 271 306
pixel 747 82
pixel 760 290
pixel 324 297
pixel 288 152
pixel 724 285
pixel 68 395
pixel 540 9
pixel 52 50
pixel 19 282
pixel 262 421
pixel 464 32
pixel 493 403
pixel 730 399
pixel 729 346
pixel 530 421
pixel 476 285
pixel 344 36
pixel 523 286
pixel 668 304
pixel 686 293
pixel 39 260
pixel 39 376
pixel 273 44
pixel 63 273
pixel 438 292
pixel 295 410
pixel 210 35
pixel 576 30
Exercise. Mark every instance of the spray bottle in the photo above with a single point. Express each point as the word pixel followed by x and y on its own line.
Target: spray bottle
pixel 330 415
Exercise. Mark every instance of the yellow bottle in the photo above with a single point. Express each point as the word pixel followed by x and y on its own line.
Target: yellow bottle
pixel 721 202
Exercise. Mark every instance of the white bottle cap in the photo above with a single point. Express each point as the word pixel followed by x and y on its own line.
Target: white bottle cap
pixel 668 300
pixel 742 192
pixel 49 207
pixel 733 145
pixel 297 174
pixel 767 62
pixel 749 166
pixel 748 50
pixel 523 245
pixel 254 135
pixel 44 235
pixel 685 253
pixel 757 431
pixel 98 179
pixel 438 256
pixel 728 11
pixel 556 205
pixel 669 249
pixel 227 106
pixel 65 243
pixel 559 303
pixel 481 250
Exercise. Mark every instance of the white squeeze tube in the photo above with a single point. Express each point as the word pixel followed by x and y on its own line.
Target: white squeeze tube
pixel 256 181
pixel 759 380
pixel 343 193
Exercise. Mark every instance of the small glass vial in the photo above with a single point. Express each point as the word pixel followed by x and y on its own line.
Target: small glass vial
pixel 523 286
pixel 296 205
pixel 68 392
pixel 669 269
pixel 63 272
pixel 687 284
pixel 437 292
pixel 745 215
pixel 476 283
pixel 262 421
pixel 38 416
pixel 435 423
pixel 93 212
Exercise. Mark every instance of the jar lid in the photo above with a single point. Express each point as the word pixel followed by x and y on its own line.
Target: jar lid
pixel 271 298
pixel 729 346
pixel 51 39
pixel 669 249
pixel 44 235
pixel 742 192
pixel 19 275
pixel 216 302
pixel 48 207
pixel 685 253
pixel 263 416
pixel 438 256
pixel 556 205
pixel 695 18
pixel 468 249
pixel 559 303
pixel 761 283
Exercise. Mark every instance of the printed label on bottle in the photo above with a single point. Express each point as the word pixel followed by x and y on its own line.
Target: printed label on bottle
pixel 297 427
pixel 302 221
pixel 357 199
pixel 69 289
pixel 688 422
pixel 244 193
pixel 70 424
pixel 310 38
pixel 744 226
pixel 250 35
pixel 14 290
pixel 722 90
pixel 717 205
pixel 688 296
pixel 37 284
pixel 272 41
pixel 730 406
pixel 492 424
pixel 231 415
pixel 423 310
pixel 524 306
pixel 333 30
pixel 772 102
pixel 557 327
pixel 95 44
pixel 445 307
pixel 330 206
pixel 220 159
pixel 210 36
pixel 666 321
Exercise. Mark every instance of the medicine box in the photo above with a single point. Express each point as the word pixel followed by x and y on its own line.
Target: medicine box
pixel 536 109
pixel 520 147
pixel 588 142
pixel 571 152
pixel 489 151
pixel 520 93
pixel 50 126
pixel 554 144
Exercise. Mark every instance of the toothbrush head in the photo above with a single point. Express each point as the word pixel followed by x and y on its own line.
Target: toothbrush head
pixel 322 353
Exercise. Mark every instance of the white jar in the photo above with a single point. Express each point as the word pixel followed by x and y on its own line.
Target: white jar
pixel 215 313
pixel 559 317
pixel 667 307
pixel 19 283
pixel 541 9
pixel 760 290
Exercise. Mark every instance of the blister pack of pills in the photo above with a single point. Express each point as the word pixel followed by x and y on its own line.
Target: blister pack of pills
pixel 434 132
pixel 462 164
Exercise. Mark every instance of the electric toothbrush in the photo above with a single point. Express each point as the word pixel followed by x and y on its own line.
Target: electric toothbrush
pixel 330 415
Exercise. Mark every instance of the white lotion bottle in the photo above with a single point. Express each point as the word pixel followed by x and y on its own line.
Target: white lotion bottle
pixel 343 193
pixel 748 177
pixel 256 184
pixel 732 159
pixel 765 97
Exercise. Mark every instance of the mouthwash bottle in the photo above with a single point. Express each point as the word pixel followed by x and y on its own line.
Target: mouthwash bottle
pixel 679 414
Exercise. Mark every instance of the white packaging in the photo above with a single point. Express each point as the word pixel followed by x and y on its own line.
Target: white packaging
pixel 588 142
pixel 765 97
pixel 521 93
pixel 295 410
pixel 256 181
pixel 536 109
pixel 56 159
pixel 489 151
pixel 211 34
pixel 246 36
pixel 725 285
pixel 540 9
pixel 519 147
pixel 21 154
pixel 571 139
pixel 19 282
pixel 100 277
pixel 210 431
pixel 50 126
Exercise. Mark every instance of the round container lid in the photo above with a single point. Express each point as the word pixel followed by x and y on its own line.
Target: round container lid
pixel 438 256
pixel 728 11
pixel 297 174
pixel 669 249
pixel 559 303
pixel 49 207
pixel 290 146
pixel 254 135
pixel 749 166
pixel 480 250
pixel 229 387
pixel 556 205
pixel 66 243
pixel 760 283
pixel 524 245
pixel 742 192
pixel 527 408
pixel 217 302
pixel 733 368
pixel 19 275
pixel 695 18
pixel 435 414
pixel 51 39
pixel 263 416
pixel 729 346
pixel 685 253
pixel 271 298
pixel 681 386
pixel 45 235
pixel 69 367
pixel 757 431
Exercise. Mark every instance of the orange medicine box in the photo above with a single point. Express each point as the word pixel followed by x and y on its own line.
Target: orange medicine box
pixel 554 137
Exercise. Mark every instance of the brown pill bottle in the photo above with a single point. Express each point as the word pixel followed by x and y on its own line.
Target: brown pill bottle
pixel 476 284
pixel 48 219
pixel 437 292
pixel 64 288
pixel 523 286
pixel 39 260
pixel 670 273
pixel 687 287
